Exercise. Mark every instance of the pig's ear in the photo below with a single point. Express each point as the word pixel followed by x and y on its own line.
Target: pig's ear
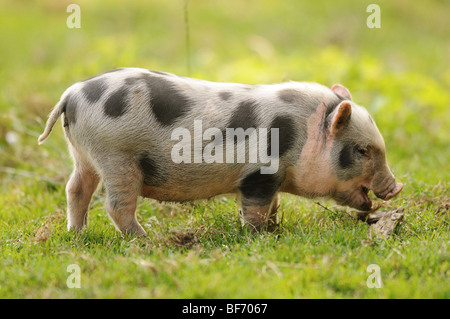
pixel 341 91
pixel 340 118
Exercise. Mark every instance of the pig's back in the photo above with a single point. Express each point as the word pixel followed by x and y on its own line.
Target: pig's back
pixel 135 111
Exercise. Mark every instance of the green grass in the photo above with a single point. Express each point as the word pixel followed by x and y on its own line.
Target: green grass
pixel 399 72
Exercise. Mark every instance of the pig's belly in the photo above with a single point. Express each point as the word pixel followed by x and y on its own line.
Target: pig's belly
pixel 189 189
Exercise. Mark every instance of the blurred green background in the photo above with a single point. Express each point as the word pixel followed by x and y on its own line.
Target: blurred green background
pixel 399 72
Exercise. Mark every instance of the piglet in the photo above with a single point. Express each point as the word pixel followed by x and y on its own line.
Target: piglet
pixel 173 138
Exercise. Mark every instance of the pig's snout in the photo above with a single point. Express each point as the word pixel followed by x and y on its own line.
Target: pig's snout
pixel 384 185
pixel 397 189
pixel 391 191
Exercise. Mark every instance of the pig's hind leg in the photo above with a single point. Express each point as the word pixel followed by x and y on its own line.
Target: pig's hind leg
pixel 123 182
pixel 79 190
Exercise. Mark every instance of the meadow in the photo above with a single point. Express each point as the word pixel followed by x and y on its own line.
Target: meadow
pixel 399 72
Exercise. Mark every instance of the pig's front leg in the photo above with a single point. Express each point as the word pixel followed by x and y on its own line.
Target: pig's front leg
pixel 260 200
pixel 261 217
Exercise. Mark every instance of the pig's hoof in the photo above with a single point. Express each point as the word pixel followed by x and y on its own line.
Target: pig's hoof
pixel 261 227
pixel 255 227
pixel 135 231
pixel 75 228
pixel 134 234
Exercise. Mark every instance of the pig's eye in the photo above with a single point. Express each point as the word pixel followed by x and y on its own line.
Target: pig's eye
pixel 362 151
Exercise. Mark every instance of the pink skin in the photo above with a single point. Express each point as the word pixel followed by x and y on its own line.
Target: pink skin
pixel 395 192
pixel 314 176
pixel 354 192
pixel 386 181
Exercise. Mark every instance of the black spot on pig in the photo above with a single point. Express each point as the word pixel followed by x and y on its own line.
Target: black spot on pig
pixel 244 116
pixel 225 96
pixel 292 96
pixel 167 103
pixel 116 104
pixel 259 189
pixel 287 134
pixel 346 158
pixel 152 170
pixel 132 80
pixel 94 89
pixel 331 106
pixel 70 110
